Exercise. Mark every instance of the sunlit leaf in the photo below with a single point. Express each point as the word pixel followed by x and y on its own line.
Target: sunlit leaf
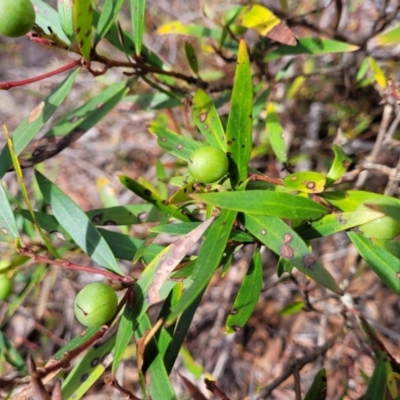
pixel 108 15
pixel 285 242
pixel 137 15
pixel 390 37
pixel 265 202
pixel 274 132
pixel 305 181
pixel 266 23
pixel 339 165
pixel 240 121
pixel 82 14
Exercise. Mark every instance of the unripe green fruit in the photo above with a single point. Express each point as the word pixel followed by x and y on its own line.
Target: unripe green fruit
pixel 6 286
pixel 385 227
pixel 208 164
pixel 95 304
pixel 17 17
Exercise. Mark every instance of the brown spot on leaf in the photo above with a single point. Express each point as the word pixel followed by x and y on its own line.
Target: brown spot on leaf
pixel 236 328
pixel 203 116
pixel 263 232
pixel 234 311
pixel 109 223
pixel 35 113
pixel 147 192
pixel 287 237
pixel 310 185
pixel 282 34
pixel 309 260
pixel 286 251
pixel 97 218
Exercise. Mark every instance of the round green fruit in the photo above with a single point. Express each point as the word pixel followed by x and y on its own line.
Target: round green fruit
pixel 208 164
pixel 95 304
pixel 6 286
pixel 385 227
pixel 17 17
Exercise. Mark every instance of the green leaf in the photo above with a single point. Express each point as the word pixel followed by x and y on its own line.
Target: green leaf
pixel 153 198
pixel 64 8
pixel 146 289
pixel 240 120
pixel 265 202
pixel 76 124
pixel 7 219
pixel 377 385
pixel 383 263
pixel 11 354
pixel 314 46
pixel 274 131
pixel 388 38
pixel 208 260
pixel 89 369
pixel 82 14
pixel 207 120
pixel 349 200
pixel 191 57
pixel 77 224
pixel 335 222
pixel 108 15
pixel 248 295
pixel 339 166
pixel 137 14
pixel 32 124
pixel 285 242
pixel 292 308
pixel 305 181
pixel 48 18
pixel 159 384
pixel 178 145
pixel 318 388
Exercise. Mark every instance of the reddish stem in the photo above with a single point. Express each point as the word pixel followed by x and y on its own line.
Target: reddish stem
pixel 69 265
pixel 11 84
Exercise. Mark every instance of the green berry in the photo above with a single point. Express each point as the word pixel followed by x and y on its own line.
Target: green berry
pixel 385 227
pixel 17 17
pixel 6 286
pixel 95 304
pixel 208 164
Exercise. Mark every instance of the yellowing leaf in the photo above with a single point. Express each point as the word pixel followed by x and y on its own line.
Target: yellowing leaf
pixel 388 38
pixel 266 23
pixel 378 73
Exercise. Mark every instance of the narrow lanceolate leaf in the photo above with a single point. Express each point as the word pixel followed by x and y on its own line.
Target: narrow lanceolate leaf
pixel 383 263
pixel 48 19
pixel 318 388
pixel 266 23
pixel 248 295
pixel 285 242
pixel 159 384
pixel 377 385
pixel 137 14
pixel 32 124
pixel 311 46
pixel 305 181
pixel 7 219
pixel 108 15
pixel 265 202
pixel 275 134
pixel 153 198
pixel 75 124
pixel 390 37
pixel 378 73
pixel 64 8
pixel 178 145
pixel 238 131
pixel 208 260
pixel 339 165
pixel 192 57
pixel 89 369
pixel 77 225
pixel 206 117
pixel 82 14
pixel 335 222
pixel 146 289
